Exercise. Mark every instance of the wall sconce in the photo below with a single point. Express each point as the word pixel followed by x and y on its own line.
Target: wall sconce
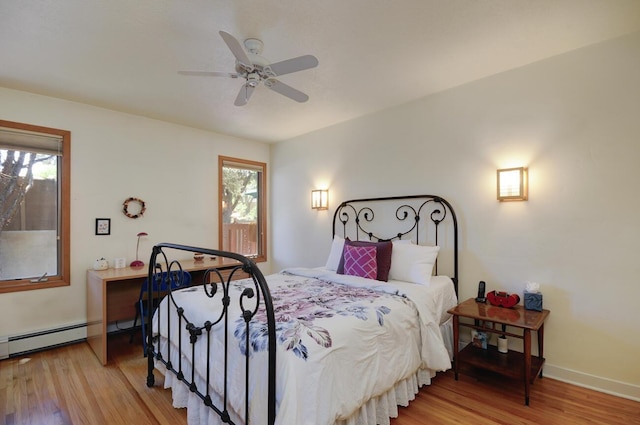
pixel 513 184
pixel 320 199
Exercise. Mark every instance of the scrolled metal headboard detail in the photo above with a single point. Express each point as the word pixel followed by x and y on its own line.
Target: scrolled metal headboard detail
pixel 357 219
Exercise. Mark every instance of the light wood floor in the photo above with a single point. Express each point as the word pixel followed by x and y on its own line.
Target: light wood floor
pixel 68 385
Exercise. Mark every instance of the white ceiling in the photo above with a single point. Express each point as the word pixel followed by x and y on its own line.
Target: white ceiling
pixel 374 54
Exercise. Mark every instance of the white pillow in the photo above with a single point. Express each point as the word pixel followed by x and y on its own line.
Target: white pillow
pixel 413 263
pixel 335 254
pixel 403 241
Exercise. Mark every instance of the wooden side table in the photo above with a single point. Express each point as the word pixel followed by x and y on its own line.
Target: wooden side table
pixel 499 320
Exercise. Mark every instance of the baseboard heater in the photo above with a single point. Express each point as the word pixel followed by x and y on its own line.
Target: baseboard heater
pixel 19 345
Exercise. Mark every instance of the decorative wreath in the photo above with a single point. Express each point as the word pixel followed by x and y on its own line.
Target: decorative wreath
pixel 125 207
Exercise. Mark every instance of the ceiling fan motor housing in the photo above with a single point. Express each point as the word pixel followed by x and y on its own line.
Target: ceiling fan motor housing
pixel 254 45
pixel 253 79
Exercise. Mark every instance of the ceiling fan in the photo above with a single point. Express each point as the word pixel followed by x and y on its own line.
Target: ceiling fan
pixel 255 69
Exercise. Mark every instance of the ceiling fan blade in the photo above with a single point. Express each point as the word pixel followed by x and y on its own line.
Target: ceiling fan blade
pixel 243 96
pixel 209 74
pixel 237 50
pixel 286 90
pixel 294 65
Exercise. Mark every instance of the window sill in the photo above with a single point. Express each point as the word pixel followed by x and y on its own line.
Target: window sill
pixel 26 285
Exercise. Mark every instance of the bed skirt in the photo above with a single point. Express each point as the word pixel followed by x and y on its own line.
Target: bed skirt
pixel 377 411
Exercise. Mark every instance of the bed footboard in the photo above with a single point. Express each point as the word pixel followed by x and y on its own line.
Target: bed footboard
pixel 198 333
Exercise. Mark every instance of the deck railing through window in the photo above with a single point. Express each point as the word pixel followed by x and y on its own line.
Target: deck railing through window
pixel 241 238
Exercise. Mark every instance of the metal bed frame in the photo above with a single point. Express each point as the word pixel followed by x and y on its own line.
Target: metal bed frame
pixel 212 282
pixel 357 219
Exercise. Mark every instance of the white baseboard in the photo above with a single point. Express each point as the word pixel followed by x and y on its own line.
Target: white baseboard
pixel 15 345
pixel 4 347
pixel 121 326
pixel 46 338
pixel 597 383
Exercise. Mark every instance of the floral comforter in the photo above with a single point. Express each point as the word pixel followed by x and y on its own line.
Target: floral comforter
pixel 341 340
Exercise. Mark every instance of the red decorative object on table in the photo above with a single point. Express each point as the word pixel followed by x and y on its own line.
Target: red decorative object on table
pixel 503 299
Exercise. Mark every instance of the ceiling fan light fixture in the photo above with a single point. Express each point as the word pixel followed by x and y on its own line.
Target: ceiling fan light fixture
pixel 253 79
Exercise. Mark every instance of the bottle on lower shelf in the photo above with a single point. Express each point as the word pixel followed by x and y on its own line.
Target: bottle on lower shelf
pixel 503 344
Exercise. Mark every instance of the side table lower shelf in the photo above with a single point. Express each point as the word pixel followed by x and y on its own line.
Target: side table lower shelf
pixel 510 364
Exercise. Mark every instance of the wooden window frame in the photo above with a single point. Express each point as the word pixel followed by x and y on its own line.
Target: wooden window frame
pixel 63 278
pixel 262 201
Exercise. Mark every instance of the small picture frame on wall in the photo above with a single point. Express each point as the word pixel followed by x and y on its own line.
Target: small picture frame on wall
pixel 103 226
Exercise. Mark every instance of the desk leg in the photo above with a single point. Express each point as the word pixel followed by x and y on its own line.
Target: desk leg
pixel 541 345
pixel 456 337
pixel 527 364
pixel 96 316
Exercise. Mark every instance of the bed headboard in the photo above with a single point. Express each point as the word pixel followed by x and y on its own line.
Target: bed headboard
pixel 423 219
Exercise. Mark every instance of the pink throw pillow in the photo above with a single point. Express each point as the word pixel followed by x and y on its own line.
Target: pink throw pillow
pixel 360 261
pixel 383 257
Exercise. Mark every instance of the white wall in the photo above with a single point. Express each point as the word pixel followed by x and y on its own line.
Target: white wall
pixel 116 156
pixel 574 120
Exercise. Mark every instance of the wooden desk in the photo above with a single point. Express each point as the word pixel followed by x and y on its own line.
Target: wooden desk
pixel 112 294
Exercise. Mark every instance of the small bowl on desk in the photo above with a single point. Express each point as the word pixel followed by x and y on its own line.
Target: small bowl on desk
pixel 198 256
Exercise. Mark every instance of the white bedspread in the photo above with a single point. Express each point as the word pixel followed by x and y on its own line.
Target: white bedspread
pixel 340 345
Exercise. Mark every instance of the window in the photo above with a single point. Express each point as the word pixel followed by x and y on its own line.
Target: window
pixel 34 207
pixel 242 212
